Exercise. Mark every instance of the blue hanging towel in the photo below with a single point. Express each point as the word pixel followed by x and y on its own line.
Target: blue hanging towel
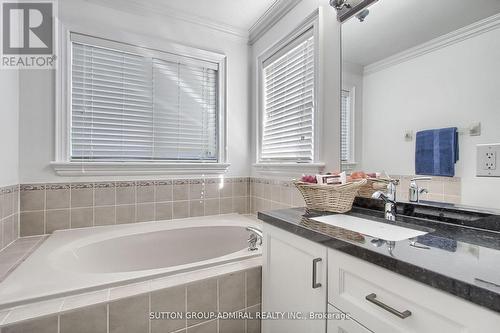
pixel 436 152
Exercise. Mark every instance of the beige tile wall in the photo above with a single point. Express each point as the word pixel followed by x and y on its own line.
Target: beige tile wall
pixel 9 215
pixel 441 189
pixel 45 208
pixel 267 194
pixel 235 292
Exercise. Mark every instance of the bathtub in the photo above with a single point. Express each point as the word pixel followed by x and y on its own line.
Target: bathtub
pixel 82 260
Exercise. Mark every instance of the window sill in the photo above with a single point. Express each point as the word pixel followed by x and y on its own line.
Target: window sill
pixel 312 168
pixel 349 166
pixel 136 168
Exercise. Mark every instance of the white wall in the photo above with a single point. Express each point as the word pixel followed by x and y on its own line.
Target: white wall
pixel 452 86
pixel 9 134
pixel 37 108
pixel 329 76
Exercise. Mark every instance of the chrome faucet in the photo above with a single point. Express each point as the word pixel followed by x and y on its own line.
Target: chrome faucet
pixel 391 245
pixel 415 191
pixel 389 199
pixel 255 237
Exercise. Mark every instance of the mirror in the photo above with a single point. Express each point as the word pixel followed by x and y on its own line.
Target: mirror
pixel 420 89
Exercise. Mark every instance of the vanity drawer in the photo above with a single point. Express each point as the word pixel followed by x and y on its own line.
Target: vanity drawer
pixel 344 326
pixel 386 302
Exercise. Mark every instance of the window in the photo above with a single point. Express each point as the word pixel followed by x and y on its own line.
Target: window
pixel 136 104
pixel 288 102
pixel 347 139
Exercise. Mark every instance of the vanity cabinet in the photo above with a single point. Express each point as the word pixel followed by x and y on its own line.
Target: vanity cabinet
pixel 344 326
pixel 387 302
pixel 293 281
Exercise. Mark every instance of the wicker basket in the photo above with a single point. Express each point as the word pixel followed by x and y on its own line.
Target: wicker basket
pixel 372 186
pixel 329 198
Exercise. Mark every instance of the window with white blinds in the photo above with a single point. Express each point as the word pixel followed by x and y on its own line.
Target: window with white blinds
pixel 288 103
pixel 136 106
pixel 346 126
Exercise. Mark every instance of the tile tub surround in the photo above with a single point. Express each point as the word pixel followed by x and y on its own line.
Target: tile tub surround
pixel 9 215
pixel 17 252
pixel 45 208
pixel 124 310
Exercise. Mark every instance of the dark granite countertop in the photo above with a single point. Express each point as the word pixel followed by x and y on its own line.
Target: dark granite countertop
pixel 459 258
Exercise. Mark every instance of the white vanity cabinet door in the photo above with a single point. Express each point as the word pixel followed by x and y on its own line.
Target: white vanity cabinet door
pixel 288 267
pixel 351 280
pixel 344 326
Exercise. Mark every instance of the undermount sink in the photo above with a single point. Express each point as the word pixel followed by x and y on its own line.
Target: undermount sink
pixel 371 228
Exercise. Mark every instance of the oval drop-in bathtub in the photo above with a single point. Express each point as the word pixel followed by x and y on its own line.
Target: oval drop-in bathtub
pixel 153 250
pixel 79 260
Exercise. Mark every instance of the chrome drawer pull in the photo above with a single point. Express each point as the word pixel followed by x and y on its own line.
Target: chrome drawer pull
pixel 315 284
pixel 372 298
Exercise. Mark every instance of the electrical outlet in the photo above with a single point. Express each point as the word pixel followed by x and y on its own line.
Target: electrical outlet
pixel 491 161
pixel 487 160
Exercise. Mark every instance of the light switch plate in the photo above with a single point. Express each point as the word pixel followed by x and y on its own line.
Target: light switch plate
pixel 488 160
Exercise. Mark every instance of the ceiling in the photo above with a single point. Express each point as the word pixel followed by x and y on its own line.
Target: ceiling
pixel 241 14
pixel 395 25
pixel 237 15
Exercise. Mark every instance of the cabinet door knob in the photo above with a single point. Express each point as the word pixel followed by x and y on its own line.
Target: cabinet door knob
pixel 372 298
pixel 315 284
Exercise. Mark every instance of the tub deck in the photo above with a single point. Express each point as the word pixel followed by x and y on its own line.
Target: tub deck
pixel 56 268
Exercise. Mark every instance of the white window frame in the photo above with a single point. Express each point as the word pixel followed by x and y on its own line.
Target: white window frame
pixel 62 163
pixel 352 130
pixel 312 22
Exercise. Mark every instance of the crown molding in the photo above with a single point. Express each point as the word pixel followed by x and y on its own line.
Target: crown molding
pixel 277 10
pixel 475 29
pixel 136 6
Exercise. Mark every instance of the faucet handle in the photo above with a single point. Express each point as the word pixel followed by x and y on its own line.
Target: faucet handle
pixel 420 178
pixel 413 183
pixel 394 181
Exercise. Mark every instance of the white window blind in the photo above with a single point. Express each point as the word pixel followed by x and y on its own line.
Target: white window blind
pixel 346 131
pixel 288 115
pixel 132 106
